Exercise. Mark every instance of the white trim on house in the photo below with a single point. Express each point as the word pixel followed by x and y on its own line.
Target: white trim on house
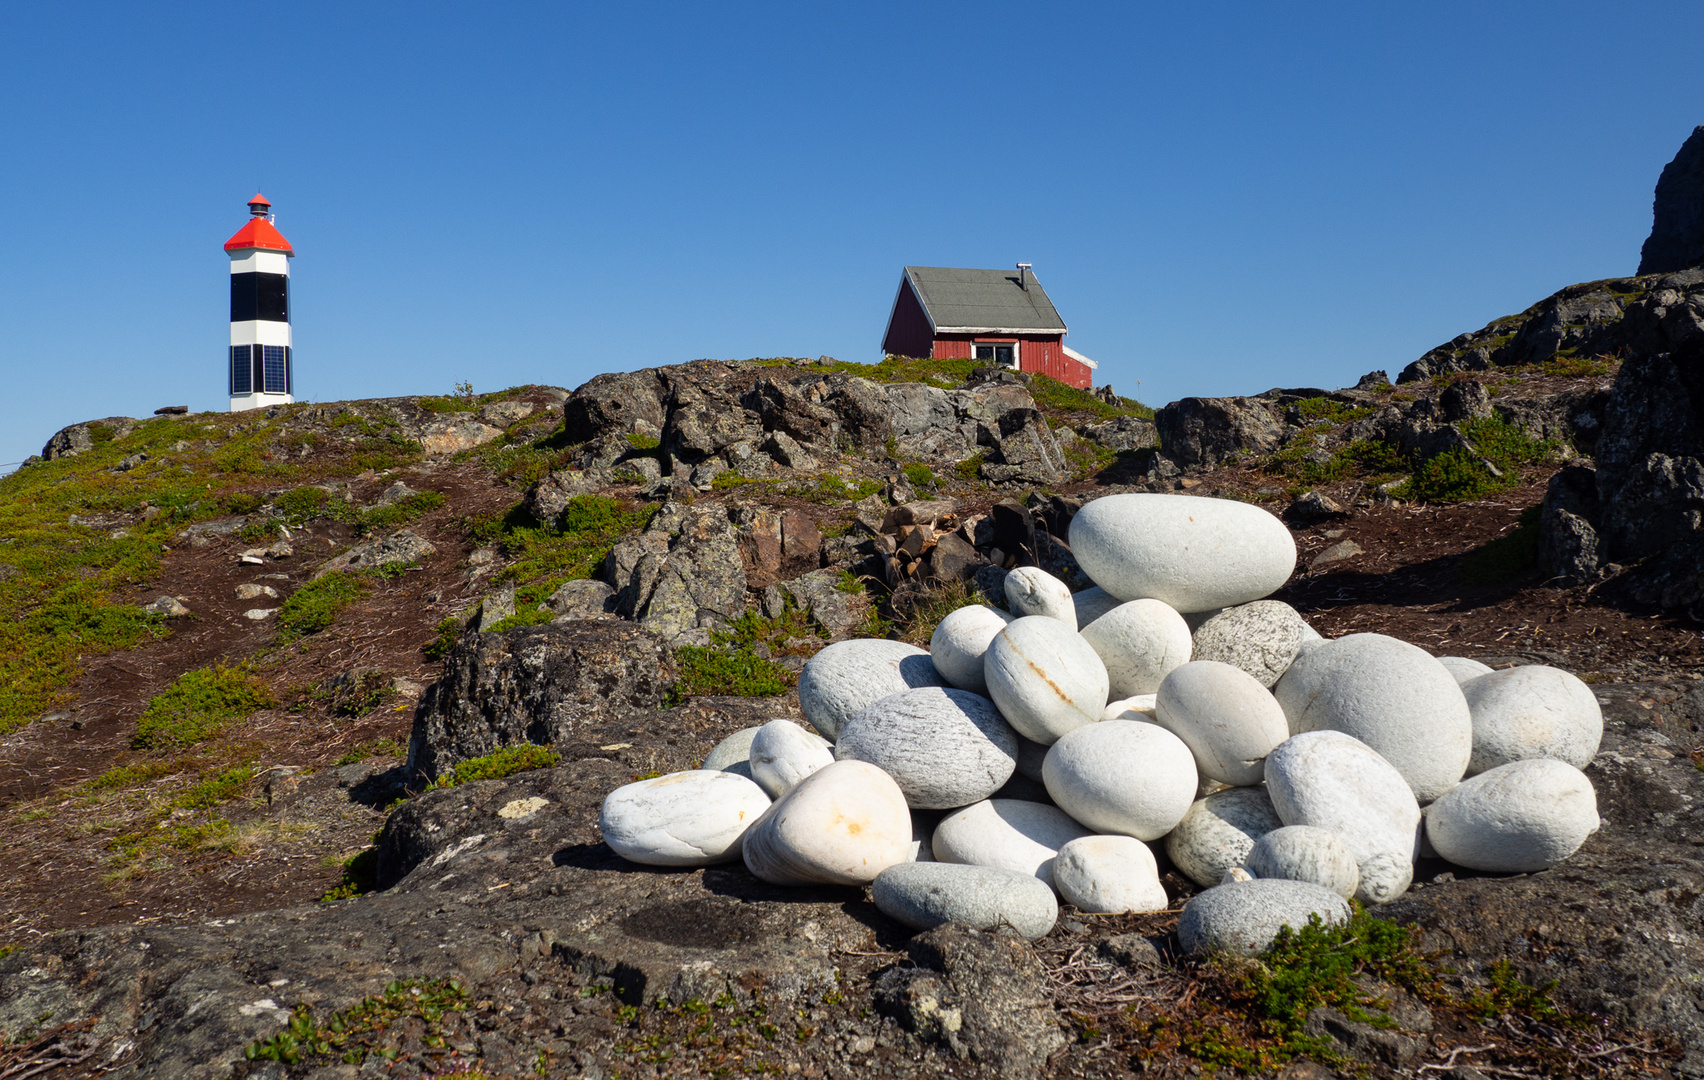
pixel 1079 357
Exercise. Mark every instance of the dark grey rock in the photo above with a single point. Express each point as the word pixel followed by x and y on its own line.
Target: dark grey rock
pixel 494 607
pixel 614 403
pixel 1362 1041
pixel 582 600
pixel 1311 507
pixel 924 895
pixel 979 993
pixel 1210 431
pixel 169 606
pixel 1242 917
pixel 1133 951
pixel 1567 540
pixel 1677 229
pixel 78 438
pixel 680 573
pixel 399 548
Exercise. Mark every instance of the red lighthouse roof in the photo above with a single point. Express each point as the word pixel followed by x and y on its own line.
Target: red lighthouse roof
pixel 259 232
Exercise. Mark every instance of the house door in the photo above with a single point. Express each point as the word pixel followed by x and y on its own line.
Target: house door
pixel 1005 355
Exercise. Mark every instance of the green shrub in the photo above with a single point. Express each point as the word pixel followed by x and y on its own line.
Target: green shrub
pixel 970 467
pixel 1506 557
pixel 316 605
pixel 1054 397
pixel 643 443
pixel 833 488
pixel 364 1028
pixel 198 704
pixel 1505 444
pixel 1451 477
pixel 407 509
pixel 727 672
pixel 242 502
pixel 508 761
pixel 1316 410
pixel 919 475
pixel 449 632
pixel 302 505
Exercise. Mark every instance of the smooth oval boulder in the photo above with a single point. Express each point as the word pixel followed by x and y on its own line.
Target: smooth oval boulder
pixel 1390 695
pixel 1008 833
pixel 1243 917
pixel 944 748
pixel 1140 707
pixel 1227 719
pixel 1030 590
pixel 1190 552
pixel 1107 874
pixel 689 818
pixel 1532 712
pixel 848 675
pixel 1335 782
pixel 842 825
pixel 1304 853
pixel 1122 776
pixel 924 895
pixel 1261 638
pixel 1045 678
pixel 960 644
pixel 1464 668
pixel 1520 817
pixel 733 754
pixel 782 753
pixel 1091 603
pixel 1218 833
pixel 1140 643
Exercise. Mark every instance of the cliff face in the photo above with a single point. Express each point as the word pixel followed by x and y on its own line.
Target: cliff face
pixel 1677 231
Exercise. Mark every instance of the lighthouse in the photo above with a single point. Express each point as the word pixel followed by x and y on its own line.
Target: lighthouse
pixel 260 312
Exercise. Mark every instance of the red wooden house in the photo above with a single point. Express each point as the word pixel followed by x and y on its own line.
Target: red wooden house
pixel 1002 316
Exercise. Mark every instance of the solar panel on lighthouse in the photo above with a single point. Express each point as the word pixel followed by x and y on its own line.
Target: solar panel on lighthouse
pixel 261 358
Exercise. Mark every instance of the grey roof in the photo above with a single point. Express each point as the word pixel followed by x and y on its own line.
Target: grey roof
pixel 983 301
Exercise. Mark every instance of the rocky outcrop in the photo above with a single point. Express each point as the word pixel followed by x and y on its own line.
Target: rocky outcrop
pixel 1677 229
pixel 1568 541
pixel 1204 432
pixel 401 548
pixel 545 685
pixel 682 575
pixel 79 438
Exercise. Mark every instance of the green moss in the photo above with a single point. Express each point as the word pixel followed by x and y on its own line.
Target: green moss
pixel 643 442
pixel 529 615
pixel 833 488
pixel 547 556
pixel 1507 557
pixel 199 704
pixel 316 605
pixel 919 475
pixel 408 509
pixel 363 1030
pixel 1085 458
pixel 1055 398
pixel 729 672
pixel 522 757
pixel 1318 410
pixel 968 468
pixel 449 632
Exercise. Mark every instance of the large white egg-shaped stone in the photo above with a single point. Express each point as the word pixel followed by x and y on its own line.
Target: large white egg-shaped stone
pixel 1261 638
pixel 848 675
pixel 1109 874
pixel 1219 831
pixel 683 819
pixel 783 753
pixel 1532 712
pixel 1122 776
pixel 1193 553
pixel 1227 719
pixel 1140 643
pixel 841 825
pixel 1524 816
pixel 1392 696
pixel 1030 590
pixel 1304 853
pixel 1464 668
pixel 944 748
pixel 1335 782
pixel 1007 833
pixel 961 641
pixel 1045 678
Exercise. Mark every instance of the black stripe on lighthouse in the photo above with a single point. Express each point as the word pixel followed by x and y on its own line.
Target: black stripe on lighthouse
pixel 263 297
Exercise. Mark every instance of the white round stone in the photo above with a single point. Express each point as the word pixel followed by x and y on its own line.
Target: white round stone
pixel 1227 719
pixel 1392 696
pixel 1122 776
pixel 1304 853
pixel 842 825
pixel 848 675
pixel 1524 816
pixel 1261 638
pixel 1335 782
pixel 960 643
pixel 1243 917
pixel 1464 668
pixel 926 895
pixel 1532 712
pixel 944 748
pixel 1140 707
pixel 1030 590
pixel 1091 604
pixel 1193 553
pixel 1140 643
pixel 1109 874
pixel 1045 678
pixel 1013 835
pixel 783 753
pixel 683 819
pixel 1219 831
pixel 733 754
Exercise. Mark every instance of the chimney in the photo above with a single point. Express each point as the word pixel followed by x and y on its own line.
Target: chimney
pixel 1023 276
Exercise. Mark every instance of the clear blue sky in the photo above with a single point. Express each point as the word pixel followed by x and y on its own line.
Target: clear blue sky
pixel 1220 198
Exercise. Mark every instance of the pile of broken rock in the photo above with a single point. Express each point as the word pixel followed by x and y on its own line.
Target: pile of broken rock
pixel 1035 753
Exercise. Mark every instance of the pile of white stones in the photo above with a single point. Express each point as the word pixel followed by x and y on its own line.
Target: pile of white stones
pixel 1283 772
